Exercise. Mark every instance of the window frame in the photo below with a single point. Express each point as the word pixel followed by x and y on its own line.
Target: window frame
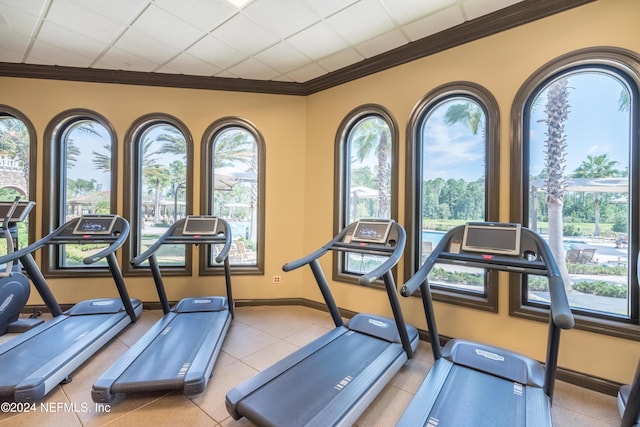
pixel 413 216
pixel 51 216
pixel 206 191
pixel 10 112
pixel 351 119
pixel 132 180
pixel 626 65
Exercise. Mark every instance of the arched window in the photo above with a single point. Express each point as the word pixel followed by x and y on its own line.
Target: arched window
pixel 452 178
pixel 17 164
pixel 366 177
pixel 234 165
pixel 80 166
pixel 576 142
pixel 159 164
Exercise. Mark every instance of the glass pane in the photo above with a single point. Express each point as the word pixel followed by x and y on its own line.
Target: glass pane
pixel 163 153
pixel 579 143
pixel 14 164
pixel 235 190
pixel 453 183
pixel 86 150
pixel 368 181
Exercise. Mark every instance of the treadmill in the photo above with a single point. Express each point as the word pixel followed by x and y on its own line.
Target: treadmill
pixel 35 362
pixel 332 380
pixel 476 384
pixel 180 350
pixel 629 402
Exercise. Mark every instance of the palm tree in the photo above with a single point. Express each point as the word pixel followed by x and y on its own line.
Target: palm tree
pixel 373 134
pixel 557 111
pixel 597 167
pixel 157 177
pixel 468 113
pixel 231 147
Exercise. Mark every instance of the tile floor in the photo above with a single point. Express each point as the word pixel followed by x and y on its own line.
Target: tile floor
pixel 258 337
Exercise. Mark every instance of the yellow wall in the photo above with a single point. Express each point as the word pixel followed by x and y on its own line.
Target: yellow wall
pixel 501 63
pixel 280 119
pixel 299 134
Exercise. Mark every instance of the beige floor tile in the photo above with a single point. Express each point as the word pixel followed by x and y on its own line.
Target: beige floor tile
pixel 243 340
pixel 257 338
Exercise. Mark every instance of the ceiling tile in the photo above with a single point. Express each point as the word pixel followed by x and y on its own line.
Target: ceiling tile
pixel 360 22
pixel 433 23
pixel 286 40
pixel 123 11
pixel 306 73
pixel 32 7
pixel 340 60
pixel 42 53
pixel 55 35
pixel 253 69
pixel 476 8
pixel 282 17
pixel 166 28
pixel 215 52
pixel 383 43
pixel 146 47
pixel 205 15
pixel 10 55
pixel 16 29
pixel 405 11
pixel 81 20
pixel 317 41
pixel 189 65
pixel 243 34
pixel 118 59
pixel 326 8
pixel 283 57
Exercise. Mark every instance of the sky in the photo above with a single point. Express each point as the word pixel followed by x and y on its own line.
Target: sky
pixel 594 127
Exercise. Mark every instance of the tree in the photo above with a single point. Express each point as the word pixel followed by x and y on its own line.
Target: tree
pixel 557 111
pixel 466 112
pixel 597 167
pixel 157 177
pixel 372 135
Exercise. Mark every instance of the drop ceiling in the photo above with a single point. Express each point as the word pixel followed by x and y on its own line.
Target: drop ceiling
pixel 293 41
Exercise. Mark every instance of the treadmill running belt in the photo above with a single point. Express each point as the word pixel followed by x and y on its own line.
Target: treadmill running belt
pixel 472 398
pixel 19 364
pixel 164 363
pixel 292 399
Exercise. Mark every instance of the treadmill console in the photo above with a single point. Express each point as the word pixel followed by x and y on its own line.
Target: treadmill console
pixel 491 238
pixel 370 234
pixel 94 225
pixel 19 214
pixel 200 226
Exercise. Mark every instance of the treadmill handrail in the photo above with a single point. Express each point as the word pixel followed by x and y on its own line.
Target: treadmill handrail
pixel 559 304
pixel 51 238
pixel 136 261
pixel 336 244
pixel 124 233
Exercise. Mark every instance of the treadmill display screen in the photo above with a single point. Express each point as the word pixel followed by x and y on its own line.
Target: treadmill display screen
pixel 95 225
pixel 200 225
pixel 492 238
pixel 19 215
pixel 371 232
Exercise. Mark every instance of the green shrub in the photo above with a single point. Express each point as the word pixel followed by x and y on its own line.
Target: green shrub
pixel 601 288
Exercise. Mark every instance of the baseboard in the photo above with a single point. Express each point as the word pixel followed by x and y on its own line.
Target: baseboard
pixel 589 382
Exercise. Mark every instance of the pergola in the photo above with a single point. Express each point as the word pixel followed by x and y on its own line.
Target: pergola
pixel 585 185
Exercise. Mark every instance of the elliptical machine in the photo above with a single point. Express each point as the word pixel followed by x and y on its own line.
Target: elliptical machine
pixel 14 286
